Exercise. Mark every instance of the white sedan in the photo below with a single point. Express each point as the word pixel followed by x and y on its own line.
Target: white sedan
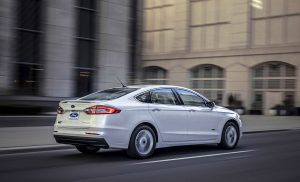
pixel 143 118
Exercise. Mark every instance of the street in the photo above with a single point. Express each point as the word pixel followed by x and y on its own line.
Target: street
pixel 270 156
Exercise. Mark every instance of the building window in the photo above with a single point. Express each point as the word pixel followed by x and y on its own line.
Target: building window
pixel 275 22
pixel 273 77
pixel 209 81
pixel 158 26
pixel 209 24
pixel 85 46
pixel 28 65
pixel 155 75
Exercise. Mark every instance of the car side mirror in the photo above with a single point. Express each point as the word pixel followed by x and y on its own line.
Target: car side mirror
pixel 210 104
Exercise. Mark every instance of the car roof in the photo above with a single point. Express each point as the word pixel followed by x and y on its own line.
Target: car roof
pixel 142 88
pixel 152 86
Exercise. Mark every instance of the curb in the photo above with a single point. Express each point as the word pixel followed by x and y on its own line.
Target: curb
pixel 266 131
pixel 35 148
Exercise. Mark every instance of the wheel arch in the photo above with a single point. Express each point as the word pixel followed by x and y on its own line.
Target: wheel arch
pixel 235 122
pixel 151 126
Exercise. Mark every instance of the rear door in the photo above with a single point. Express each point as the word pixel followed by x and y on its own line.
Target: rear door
pixel 202 121
pixel 169 115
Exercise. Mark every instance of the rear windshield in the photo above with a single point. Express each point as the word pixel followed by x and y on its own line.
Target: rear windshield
pixel 109 94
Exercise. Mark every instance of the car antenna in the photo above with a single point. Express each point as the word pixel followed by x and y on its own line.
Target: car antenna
pixel 123 85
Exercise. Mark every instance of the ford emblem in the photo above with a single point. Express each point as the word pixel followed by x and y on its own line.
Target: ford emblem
pixel 74 115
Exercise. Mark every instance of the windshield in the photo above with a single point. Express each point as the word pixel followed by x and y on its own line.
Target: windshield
pixel 109 94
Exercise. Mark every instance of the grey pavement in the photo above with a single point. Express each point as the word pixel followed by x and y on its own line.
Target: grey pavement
pixel 14 137
pixel 254 123
pixel 26 136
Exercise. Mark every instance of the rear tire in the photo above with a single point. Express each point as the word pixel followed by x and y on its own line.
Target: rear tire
pixel 230 136
pixel 142 142
pixel 85 149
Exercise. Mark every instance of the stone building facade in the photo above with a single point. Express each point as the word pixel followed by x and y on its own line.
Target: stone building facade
pixel 248 49
pixel 67 48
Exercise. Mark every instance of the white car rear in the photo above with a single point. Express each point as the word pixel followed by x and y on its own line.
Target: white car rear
pixel 142 118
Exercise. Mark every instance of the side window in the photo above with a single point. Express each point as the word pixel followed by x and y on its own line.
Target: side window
pixel 143 97
pixel 163 96
pixel 190 99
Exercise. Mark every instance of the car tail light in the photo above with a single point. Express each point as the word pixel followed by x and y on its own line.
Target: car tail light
pixel 60 110
pixel 101 110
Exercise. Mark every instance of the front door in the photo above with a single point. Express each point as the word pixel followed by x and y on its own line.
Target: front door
pixel 202 122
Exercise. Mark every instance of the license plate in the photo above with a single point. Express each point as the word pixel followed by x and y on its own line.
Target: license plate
pixel 74 115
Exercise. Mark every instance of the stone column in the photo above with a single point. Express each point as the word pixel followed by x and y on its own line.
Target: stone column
pixel 238 83
pixel 59 48
pixel 181 25
pixel 7 38
pixel 178 75
pixel 240 29
pixel 113 45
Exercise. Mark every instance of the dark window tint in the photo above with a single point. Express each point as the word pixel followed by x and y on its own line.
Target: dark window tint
pixel 85 46
pixel 163 96
pixel 29 14
pixel 86 23
pixel 85 54
pixel 190 99
pixel 143 97
pixel 90 4
pixel 109 94
pixel 28 47
pixel 28 65
pixel 26 79
pixel 84 81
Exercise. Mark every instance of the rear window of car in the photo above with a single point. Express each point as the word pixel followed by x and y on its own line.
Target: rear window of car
pixel 109 94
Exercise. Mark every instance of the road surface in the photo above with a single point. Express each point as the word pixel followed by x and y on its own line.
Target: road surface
pixel 271 156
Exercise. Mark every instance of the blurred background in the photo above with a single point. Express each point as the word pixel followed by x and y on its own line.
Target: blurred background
pixel 242 54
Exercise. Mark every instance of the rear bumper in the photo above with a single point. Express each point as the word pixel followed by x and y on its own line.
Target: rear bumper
pixel 75 140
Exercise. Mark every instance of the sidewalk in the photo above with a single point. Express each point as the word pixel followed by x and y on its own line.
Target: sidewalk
pixel 255 123
pixel 20 137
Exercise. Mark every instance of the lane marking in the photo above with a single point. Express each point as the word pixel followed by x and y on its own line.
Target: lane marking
pixel 27 116
pixel 193 157
pixel 237 157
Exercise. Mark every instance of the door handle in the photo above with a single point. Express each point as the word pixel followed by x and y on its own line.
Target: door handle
pixel 155 109
pixel 206 110
pixel 192 110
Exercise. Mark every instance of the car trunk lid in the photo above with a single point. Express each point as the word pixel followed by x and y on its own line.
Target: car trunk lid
pixel 74 115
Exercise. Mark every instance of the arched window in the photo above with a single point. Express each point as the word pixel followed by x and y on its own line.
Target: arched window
pixel 273 76
pixel 155 75
pixel 208 80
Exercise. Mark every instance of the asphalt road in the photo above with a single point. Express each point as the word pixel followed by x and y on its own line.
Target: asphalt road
pixel 273 156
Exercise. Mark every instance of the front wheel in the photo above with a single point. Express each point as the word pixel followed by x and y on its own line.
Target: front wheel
pixel 87 149
pixel 142 142
pixel 230 136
